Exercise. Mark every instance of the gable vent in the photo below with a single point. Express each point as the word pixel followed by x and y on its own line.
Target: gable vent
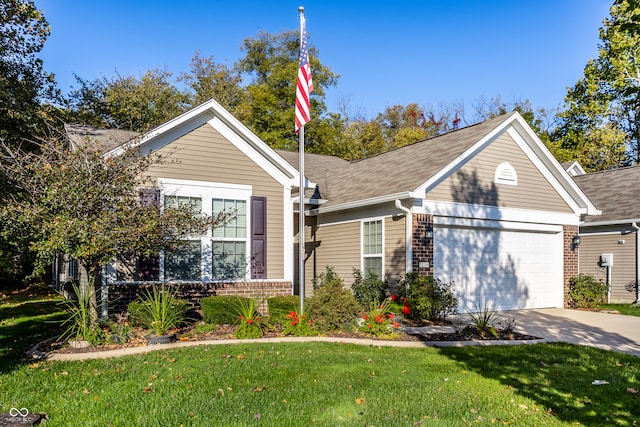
pixel 506 174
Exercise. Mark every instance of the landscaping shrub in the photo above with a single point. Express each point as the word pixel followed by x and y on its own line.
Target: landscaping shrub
pixel 250 322
pixel 585 291
pixel 219 310
pixel 170 310
pixel 427 297
pixel 332 306
pixel 368 290
pixel 279 307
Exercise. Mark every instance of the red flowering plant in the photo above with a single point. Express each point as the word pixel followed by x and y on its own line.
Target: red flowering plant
pixel 298 325
pixel 379 321
pixel 250 321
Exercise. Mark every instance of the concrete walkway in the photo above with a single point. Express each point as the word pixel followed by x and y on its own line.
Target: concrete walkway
pixel 603 330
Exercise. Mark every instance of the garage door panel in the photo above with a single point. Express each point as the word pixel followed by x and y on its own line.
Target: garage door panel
pixel 502 269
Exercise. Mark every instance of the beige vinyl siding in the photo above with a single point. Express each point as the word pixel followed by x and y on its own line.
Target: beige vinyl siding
pixel 205 155
pixel 337 246
pixel 474 183
pixel 395 254
pixel 623 271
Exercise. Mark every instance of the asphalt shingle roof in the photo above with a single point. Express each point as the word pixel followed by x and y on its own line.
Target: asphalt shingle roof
pixel 614 192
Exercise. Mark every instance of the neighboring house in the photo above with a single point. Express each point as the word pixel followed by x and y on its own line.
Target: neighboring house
pixel 486 207
pixel 609 242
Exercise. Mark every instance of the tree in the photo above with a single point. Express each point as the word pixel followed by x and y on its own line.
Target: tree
pixel 24 85
pixel 126 102
pixel 87 205
pixel 271 62
pixel 605 104
pixel 208 80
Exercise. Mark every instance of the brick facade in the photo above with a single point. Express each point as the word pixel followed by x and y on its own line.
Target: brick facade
pixel 120 295
pixel 422 245
pixel 570 253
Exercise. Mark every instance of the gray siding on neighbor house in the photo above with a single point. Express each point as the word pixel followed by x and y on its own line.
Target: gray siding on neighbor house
pixel 474 182
pixel 623 270
pixel 205 155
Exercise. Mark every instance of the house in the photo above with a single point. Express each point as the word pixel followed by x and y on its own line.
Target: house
pixel 486 207
pixel 609 242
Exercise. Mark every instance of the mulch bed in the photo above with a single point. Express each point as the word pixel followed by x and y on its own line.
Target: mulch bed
pixel 137 338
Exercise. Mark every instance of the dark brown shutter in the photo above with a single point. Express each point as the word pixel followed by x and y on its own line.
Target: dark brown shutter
pixel 258 237
pixel 149 265
pixel 150 197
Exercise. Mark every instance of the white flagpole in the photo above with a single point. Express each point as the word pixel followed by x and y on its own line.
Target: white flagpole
pixel 301 239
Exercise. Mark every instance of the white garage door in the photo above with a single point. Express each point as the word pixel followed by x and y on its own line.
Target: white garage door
pixel 502 269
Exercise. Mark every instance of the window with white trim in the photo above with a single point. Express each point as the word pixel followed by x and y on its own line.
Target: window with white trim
pixel 220 254
pixel 229 241
pixel 372 248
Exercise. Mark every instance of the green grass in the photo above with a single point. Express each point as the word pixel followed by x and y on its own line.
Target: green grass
pixel 27 316
pixel 627 309
pixel 293 384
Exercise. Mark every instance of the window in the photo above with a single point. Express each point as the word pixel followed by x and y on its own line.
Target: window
pixel 220 254
pixel 372 247
pixel 184 263
pixel 229 242
pixel 194 203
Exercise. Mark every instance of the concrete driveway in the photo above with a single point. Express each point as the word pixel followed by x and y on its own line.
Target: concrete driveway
pixel 597 329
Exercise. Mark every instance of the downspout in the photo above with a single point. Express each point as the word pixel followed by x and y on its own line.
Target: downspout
pixel 408 236
pixel 634 225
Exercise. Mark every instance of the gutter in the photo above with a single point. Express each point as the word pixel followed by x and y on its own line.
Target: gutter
pixel 611 222
pixel 408 234
pixel 366 202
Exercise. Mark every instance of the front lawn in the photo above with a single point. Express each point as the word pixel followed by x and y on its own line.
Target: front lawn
pixel 333 384
pixel 292 384
pixel 627 309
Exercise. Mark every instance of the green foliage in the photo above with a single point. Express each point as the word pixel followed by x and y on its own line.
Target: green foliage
pixel 484 321
pixel 280 307
pixel 24 85
pixel 332 306
pixel 368 290
pixel 218 310
pixel 298 326
pixel 81 325
pixel 379 321
pixel 427 297
pixel 126 102
pixel 599 125
pixel 246 310
pixel 585 291
pixel 162 309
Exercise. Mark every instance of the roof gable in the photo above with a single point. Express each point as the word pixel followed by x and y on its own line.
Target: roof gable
pixel 221 120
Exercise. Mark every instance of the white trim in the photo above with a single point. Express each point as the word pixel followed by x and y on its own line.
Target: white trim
pixel 503 225
pixel 464 210
pixel 381 255
pixel 605 233
pixel 612 222
pixel 364 203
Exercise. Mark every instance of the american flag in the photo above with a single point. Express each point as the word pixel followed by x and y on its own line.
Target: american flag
pixel 305 82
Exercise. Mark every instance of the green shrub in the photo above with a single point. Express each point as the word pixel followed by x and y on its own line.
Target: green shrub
pixel 250 322
pixel 332 306
pixel 140 312
pixel 368 290
pixel 219 310
pixel 427 297
pixel 279 307
pixel 585 291
pixel 163 308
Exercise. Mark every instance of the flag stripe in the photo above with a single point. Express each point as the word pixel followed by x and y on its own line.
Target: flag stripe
pixel 304 86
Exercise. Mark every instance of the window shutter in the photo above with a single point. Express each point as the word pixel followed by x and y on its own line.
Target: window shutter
pixel 258 237
pixel 150 197
pixel 149 268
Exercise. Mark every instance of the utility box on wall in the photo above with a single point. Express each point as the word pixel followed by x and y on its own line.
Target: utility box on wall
pixel 606 260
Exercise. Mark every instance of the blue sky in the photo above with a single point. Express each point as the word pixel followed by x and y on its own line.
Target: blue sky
pixel 428 52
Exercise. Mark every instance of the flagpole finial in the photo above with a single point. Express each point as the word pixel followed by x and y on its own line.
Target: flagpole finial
pixel 300 9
